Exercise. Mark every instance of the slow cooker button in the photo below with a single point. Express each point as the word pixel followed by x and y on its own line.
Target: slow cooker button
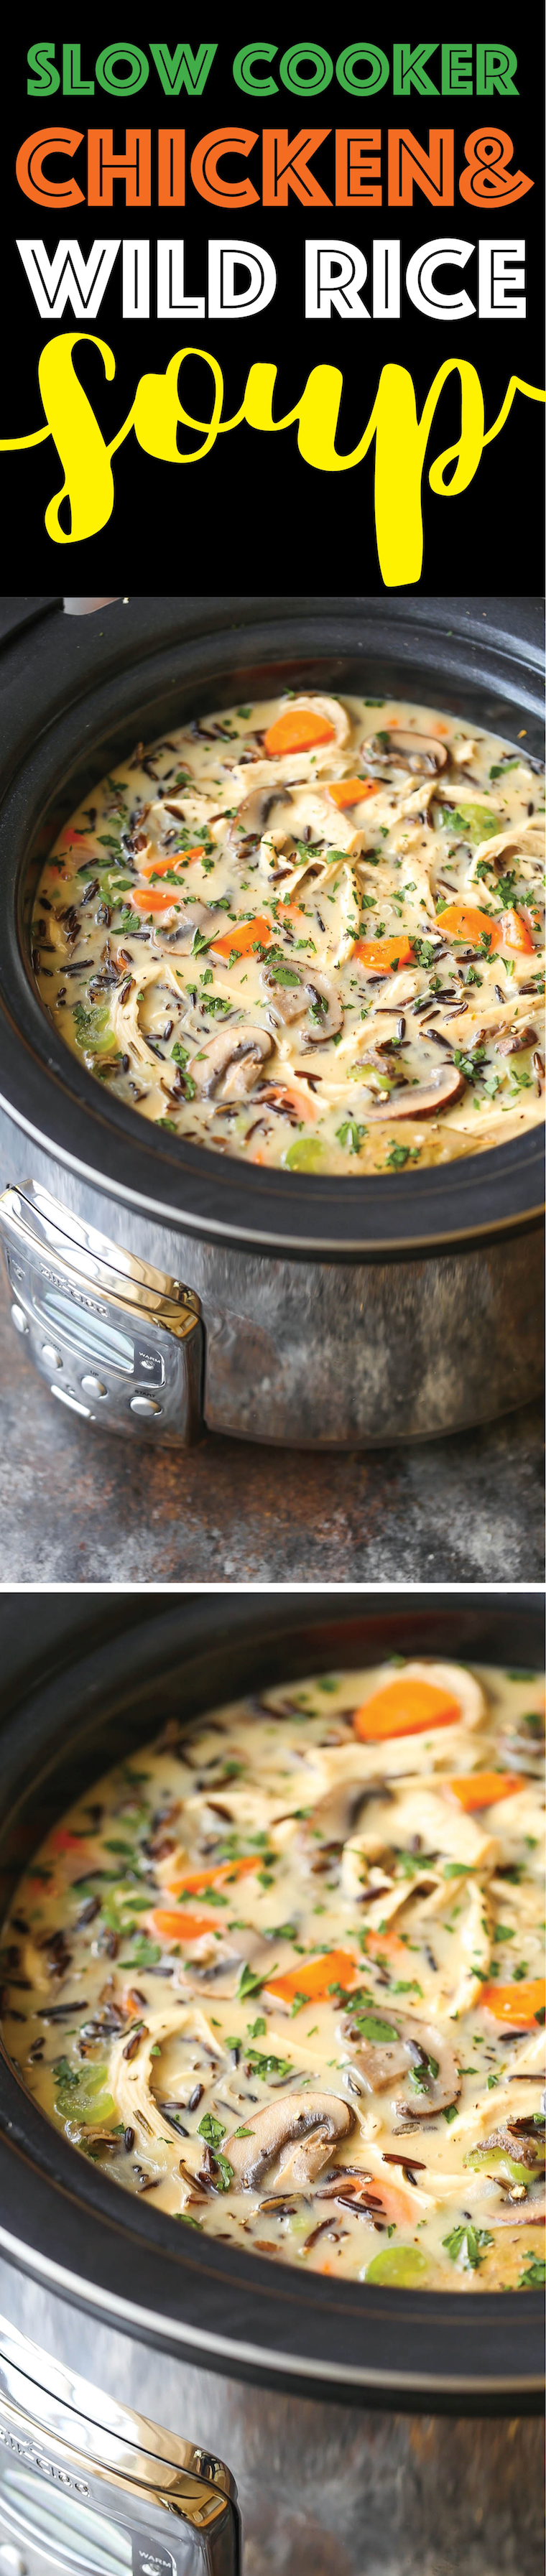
pixel 52 1356
pixel 94 1386
pixel 19 1319
pixel 65 1397
pixel 145 1404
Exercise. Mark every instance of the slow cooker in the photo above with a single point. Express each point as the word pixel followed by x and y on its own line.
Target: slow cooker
pixel 186 1289
pixel 150 2378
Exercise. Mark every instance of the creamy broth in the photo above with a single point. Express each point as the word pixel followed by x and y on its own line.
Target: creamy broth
pixel 308 931
pixel 285 1972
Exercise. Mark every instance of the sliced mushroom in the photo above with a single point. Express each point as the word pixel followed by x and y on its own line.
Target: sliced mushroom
pixel 379 2061
pixel 422 1099
pixel 326 1011
pixel 81 2134
pixel 525 2128
pixel 210 1968
pixel 417 2050
pixel 333 1819
pixel 214 1967
pixel 314 995
pixel 426 2049
pixel 228 1065
pixel 530 2213
pixel 196 916
pixel 513 2138
pixel 517 1036
pixel 418 751
pixel 296 2136
pixel 286 1002
pixel 521 1746
pixel 255 810
pixel 421 753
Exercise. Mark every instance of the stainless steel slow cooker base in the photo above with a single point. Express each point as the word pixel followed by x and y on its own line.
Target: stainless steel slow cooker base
pixel 310 1356
pixel 328 1312
pixel 323 2490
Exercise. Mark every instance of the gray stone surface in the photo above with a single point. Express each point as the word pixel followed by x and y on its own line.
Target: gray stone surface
pixel 79 1507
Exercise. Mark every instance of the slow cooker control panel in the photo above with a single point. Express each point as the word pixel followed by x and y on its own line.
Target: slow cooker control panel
pixel 117 1343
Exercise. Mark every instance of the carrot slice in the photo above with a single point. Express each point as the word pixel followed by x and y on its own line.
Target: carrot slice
pixel 179 1926
pixel 378 2197
pixel 388 1942
pixel 297 730
pixel 390 2201
pixel 244 936
pixel 197 1879
pixel 153 899
pixel 303 1103
pixel 483 1788
pixel 155 867
pixel 313 1977
pixel 515 934
pixel 466 921
pixel 404 1708
pixel 519 2006
pixel 383 954
pixel 352 791
pixel 62 1841
pixel 507 930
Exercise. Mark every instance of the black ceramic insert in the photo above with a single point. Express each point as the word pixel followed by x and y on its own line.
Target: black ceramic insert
pixel 74 694
pixel 59 2218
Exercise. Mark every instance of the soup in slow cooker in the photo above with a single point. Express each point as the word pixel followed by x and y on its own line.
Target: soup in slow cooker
pixel 224 927
pixel 284 1971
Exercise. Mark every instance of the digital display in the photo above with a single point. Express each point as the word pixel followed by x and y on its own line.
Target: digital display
pixel 89 1334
